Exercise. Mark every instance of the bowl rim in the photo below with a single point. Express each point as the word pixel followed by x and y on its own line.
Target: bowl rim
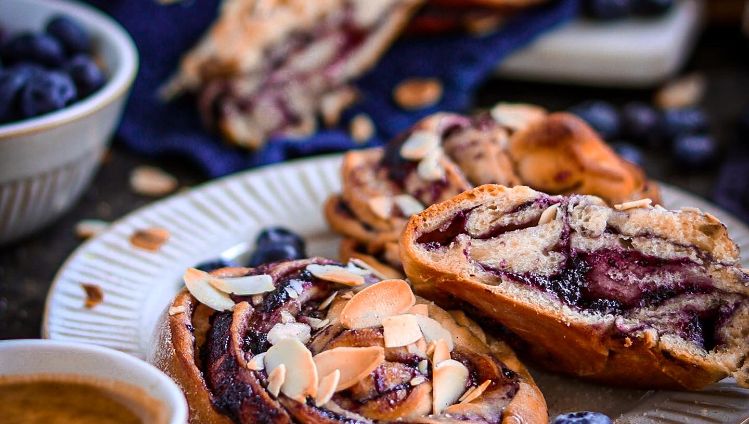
pixel 119 81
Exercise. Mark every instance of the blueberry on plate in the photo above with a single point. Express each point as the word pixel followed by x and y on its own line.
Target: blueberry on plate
pixel 629 152
pixel 695 150
pixel 607 10
pixel 582 418
pixel 86 75
pixel 46 91
pixel 689 120
pixel 40 49
pixel 70 33
pixel 651 7
pixel 272 252
pixel 214 264
pixel 641 122
pixel 280 235
pixel 600 115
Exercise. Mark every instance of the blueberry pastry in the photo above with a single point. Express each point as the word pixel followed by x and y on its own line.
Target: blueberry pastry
pixel 269 67
pixel 313 341
pixel 632 295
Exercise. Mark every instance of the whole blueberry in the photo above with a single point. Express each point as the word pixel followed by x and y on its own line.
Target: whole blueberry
pixel 582 418
pixel 281 235
pixel 86 75
pixel 629 152
pixel 272 252
pixel 600 115
pixel 695 150
pixel 71 34
pixel 641 123
pixel 46 91
pixel 40 49
pixel 689 120
pixel 214 264
pixel 651 7
pixel 607 10
pixel 12 82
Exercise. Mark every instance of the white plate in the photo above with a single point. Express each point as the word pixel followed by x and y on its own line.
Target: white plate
pixel 221 216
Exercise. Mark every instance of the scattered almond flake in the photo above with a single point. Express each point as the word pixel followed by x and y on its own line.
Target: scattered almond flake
pixel 371 306
pixel 408 204
pixel 276 379
pixel 417 380
pixel 419 309
pixel 328 300
pixel 335 274
pixel 286 317
pixel 197 284
pixel 297 285
pixel 475 392
pixel 364 268
pixel 176 310
pixel 150 239
pixel 317 323
pixel 333 104
pixel 381 206
pixel 361 128
pixel 257 299
pixel 400 330
pixel 152 181
pixel 414 349
pixel 448 384
pixel 430 168
pixel 548 215
pixel 516 116
pixel 441 351
pixel 291 292
pixel 88 228
pixel 681 92
pixel 642 203
pixel 244 286
pixel 430 348
pixel 257 363
pixel 347 295
pixel 94 295
pixel 327 387
pixel 434 331
pixel 354 363
pixel 417 93
pixel 423 366
pixel 301 372
pixel 289 330
pixel 419 144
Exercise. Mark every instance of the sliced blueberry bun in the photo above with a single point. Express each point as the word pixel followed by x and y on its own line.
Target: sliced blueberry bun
pixel 315 341
pixel 633 295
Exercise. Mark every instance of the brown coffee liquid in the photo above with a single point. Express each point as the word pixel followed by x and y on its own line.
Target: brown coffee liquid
pixel 61 399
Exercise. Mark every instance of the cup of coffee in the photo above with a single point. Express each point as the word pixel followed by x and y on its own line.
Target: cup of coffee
pixel 44 380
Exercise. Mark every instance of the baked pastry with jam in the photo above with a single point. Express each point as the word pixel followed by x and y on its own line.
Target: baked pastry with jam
pixel 313 341
pixel 446 154
pixel 632 295
pixel 269 67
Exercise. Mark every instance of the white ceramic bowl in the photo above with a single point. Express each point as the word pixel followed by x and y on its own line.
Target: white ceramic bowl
pixel 46 162
pixel 29 357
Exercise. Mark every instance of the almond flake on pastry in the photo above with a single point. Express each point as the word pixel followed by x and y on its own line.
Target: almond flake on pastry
pixel 291 330
pixel 516 116
pixel 635 204
pixel 257 363
pixel 430 168
pixel 197 284
pixel 419 144
pixel 419 309
pixel 336 274
pixel 449 379
pixel 401 330
pixel 301 373
pixel 327 387
pixel 244 286
pixel 474 392
pixel 408 204
pixel 382 206
pixel 373 304
pixel 328 300
pixel 354 363
pixel 434 331
pixel 276 379
pixel 441 351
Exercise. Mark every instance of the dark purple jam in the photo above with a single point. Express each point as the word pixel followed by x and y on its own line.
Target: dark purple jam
pixel 444 235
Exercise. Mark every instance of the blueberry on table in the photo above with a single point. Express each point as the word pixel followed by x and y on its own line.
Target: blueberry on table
pixel 607 10
pixel 46 91
pixel 582 418
pixel 629 152
pixel 641 122
pixel 214 264
pixel 280 235
pixel 86 75
pixel 651 7
pixel 695 150
pixel 272 252
pixel 71 34
pixel 600 115
pixel 40 49
pixel 689 120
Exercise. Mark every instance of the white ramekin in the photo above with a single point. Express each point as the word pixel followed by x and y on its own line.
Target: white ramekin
pixel 46 162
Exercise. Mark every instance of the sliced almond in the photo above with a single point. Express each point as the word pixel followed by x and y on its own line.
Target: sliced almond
pixel 291 330
pixel 197 284
pixel 548 215
pixel 150 239
pixel 417 380
pixel 382 206
pixel 361 128
pixel 417 93
pixel 373 304
pixel 419 144
pixel 301 373
pixel 176 310
pixel 335 274
pixel 408 204
pixel 430 168
pixel 286 317
pixel 354 363
pixel 334 103
pixel 276 379
pixel 152 181
pixel 317 323
pixel 441 351
pixel 327 387
pixel 682 92
pixel 325 303
pixel 449 380
pixel 423 366
pixel 369 269
pixel 401 330
pixel 257 299
pixel 347 295
pixel 419 309
pixel 516 116
pixel 291 292
pixel 297 285
pixel 88 228
pixel 94 295
pixel 257 363
pixel 474 392
pixel 642 203
pixel 434 331
pixel 244 286
pixel 418 349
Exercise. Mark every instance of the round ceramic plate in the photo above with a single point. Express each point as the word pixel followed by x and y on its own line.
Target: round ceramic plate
pixel 219 218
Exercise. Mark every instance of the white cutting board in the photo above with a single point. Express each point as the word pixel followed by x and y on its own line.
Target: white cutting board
pixel 632 52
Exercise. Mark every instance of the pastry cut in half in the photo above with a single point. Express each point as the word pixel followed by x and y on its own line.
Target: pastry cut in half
pixel 314 341
pixel 445 154
pixel 633 295
pixel 270 67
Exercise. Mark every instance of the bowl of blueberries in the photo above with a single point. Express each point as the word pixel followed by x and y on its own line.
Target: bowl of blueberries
pixel 65 73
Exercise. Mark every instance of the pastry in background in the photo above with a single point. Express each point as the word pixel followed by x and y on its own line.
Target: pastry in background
pixel 473 16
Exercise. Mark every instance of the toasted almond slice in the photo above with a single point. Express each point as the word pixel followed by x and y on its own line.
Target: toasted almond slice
pixel 297 285
pixel 291 292
pixel 325 303
pixel 276 379
pixel 408 204
pixel 317 323
pixel 441 351
pixel 423 366
pixel 257 363
pixel 290 330
pixel 197 284
pixel 88 228
pixel 355 363
pixel 430 348
pixel 244 286
pixel 448 384
pixel 417 380
pixel 430 168
pixel 682 92
pixel 361 128
pixel 417 350
pixel 286 317
pixel 419 144
pixel 365 267
pixel 335 274
pixel 475 392
pixel 434 331
pixel 94 295
pixel 150 239
pixel 516 116
pixel 327 387
pixel 401 330
pixel 301 373
pixel 417 93
pixel 642 203
pixel 548 215
pixel 382 206
pixel 373 304
pixel 347 295
pixel 176 310
pixel 152 181
pixel 419 309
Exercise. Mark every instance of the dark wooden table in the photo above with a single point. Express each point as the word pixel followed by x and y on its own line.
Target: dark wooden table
pixel 28 266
